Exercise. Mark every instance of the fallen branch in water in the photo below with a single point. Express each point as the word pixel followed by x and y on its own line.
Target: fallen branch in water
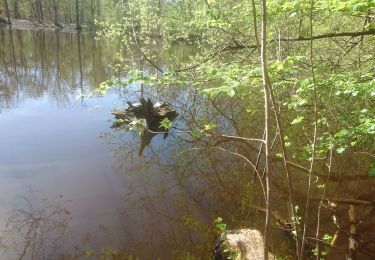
pixel 347 201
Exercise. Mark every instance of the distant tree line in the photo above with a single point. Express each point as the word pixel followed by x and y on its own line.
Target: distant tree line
pixel 78 12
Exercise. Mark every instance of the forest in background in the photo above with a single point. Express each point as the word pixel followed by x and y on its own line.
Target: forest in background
pixel 79 12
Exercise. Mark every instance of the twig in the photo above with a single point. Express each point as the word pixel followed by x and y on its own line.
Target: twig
pixel 211 56
pixel 347 201
pixel 239 138
pixel 143 54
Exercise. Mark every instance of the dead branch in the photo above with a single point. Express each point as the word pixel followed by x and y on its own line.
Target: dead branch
pixel 351 254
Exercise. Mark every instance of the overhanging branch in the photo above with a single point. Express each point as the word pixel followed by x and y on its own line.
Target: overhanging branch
pixel 330 35
pixel 316 37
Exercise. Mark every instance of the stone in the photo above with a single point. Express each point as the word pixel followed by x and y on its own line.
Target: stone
pixel 240 244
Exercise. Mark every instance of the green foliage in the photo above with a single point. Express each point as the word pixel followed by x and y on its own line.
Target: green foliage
pixel 327 238
pixel 217 28
pixel 166 123
pixel 199 133
pixel 220 225
pixel 224 69
pixel 138 124
pixel 292 7
pixel 297 120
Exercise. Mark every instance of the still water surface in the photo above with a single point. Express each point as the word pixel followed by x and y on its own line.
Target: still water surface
pixel 59 178
pixel 70 185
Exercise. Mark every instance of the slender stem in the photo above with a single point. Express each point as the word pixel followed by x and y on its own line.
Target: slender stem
pixel 320 207
pixel 255 25
pixel 287 164
pixel 314 134
pixel 285 156
pixel 142 52
pixel 263 58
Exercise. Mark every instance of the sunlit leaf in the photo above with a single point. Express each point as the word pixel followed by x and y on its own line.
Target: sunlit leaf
pixel 166 123
pixel 297 120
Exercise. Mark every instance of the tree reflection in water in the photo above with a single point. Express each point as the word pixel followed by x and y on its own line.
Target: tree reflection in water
pixel 33 232
pixel 37 63
pixel 180 185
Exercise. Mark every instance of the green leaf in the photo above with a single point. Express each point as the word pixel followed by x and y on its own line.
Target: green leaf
pixel 297 120
pixel 219 224
pixel 342 133
pixel 166 123
pixel 327 237
pixel 340 149
pixel 209 127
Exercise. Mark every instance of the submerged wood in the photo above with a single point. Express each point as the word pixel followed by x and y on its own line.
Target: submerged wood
pixel 153 114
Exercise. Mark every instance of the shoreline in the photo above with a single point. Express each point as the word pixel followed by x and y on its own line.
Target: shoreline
pixel 24 24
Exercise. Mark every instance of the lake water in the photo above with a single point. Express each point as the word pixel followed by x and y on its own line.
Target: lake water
pixel 71 186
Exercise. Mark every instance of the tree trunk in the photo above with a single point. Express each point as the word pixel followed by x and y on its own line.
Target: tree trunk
pixel 98 8
pixel 92 18
pixel 33 13
pixel 40 8
pixel 6 6
pixel 78 27
pixel 37 11
pixel 56 15
pixel 16 11
pixel 70 13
